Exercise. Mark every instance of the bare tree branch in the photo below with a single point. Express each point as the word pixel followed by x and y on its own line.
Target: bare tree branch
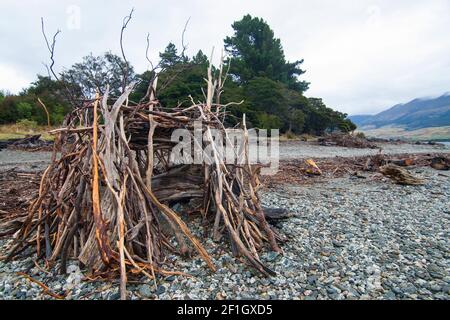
pixel 155 72
pixel 146 52
pixel 184 46
pixel 51 47
pixel 125 70
pixel 48 70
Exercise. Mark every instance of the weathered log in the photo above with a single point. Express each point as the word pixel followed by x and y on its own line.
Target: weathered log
pixel 10 225
pixel 312 168
pixel 402 162
pixel 29 142
pixel 276 214
pixel 33 139
pixel 400 175
pixel 440 163
pixel 346 140
pixel 179 183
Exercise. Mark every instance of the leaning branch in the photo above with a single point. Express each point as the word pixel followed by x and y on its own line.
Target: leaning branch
pixel 50 47
pixel 126 68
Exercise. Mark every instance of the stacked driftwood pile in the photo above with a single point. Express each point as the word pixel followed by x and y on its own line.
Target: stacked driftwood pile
pixel 346 140
pixel 109 189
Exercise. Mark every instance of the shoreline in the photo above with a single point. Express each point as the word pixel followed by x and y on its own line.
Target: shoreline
pixel 289 150
pixel 348 238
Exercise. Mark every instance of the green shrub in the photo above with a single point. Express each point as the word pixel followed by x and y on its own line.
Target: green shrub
pixel 268 121
pixel 24 110
pixel 290 135
pixel 360 135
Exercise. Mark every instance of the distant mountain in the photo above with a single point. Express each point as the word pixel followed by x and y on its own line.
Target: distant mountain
pixel 416 114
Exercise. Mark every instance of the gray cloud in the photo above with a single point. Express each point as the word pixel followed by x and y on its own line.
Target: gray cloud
pixel 360 56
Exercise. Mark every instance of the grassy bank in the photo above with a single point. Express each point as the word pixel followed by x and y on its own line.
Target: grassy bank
pixel 21 130
pixel 295 137
pixel 423 134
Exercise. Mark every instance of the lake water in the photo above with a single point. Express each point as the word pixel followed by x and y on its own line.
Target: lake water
pixel 447 143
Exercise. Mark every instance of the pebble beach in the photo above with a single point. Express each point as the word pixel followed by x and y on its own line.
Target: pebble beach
pixel 348 238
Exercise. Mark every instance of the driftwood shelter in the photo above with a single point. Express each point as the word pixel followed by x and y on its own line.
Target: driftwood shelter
pixel 110 184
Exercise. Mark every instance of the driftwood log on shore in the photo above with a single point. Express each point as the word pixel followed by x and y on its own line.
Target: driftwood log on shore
pixel 440 163
pixel 346 140
pixel 29 143
pixel 299 170
pixel 400 175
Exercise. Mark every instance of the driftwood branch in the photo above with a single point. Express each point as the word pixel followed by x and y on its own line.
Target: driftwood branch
pixel 126 68
pixel 46 112
pixel 50 47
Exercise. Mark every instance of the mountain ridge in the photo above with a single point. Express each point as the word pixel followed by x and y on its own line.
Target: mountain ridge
pixel 415 114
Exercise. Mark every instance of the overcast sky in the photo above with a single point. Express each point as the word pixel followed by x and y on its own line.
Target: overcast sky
pixel 361 56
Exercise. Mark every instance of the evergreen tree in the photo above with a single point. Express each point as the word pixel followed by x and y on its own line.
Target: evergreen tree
pixel 257 53
pixel 200 58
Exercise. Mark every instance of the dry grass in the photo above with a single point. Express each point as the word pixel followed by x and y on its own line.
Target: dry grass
pixel 289 136
pixel 17 131
pixel 432 133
